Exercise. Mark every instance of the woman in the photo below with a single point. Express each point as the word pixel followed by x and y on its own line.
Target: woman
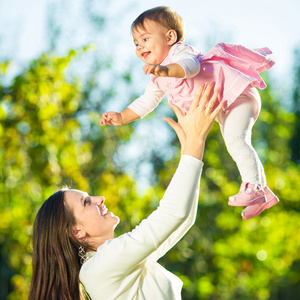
pixel 71 222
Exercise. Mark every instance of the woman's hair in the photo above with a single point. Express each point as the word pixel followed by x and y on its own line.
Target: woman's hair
pixel 164 16
pixel 55 260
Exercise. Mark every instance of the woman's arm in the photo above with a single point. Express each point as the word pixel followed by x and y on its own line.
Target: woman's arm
pixel 119 263
pixel 176 236
pixel 122 254
pixel 180 232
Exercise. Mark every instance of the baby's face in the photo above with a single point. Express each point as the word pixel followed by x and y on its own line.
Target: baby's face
pixel 152 42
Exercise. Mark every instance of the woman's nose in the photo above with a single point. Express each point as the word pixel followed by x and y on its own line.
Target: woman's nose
pixel 99 200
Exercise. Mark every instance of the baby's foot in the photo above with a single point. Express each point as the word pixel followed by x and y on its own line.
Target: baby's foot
pixel 254 210
pixel 249 194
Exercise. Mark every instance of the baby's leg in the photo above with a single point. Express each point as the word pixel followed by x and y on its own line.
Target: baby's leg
pixel 236 125
pixel 236 129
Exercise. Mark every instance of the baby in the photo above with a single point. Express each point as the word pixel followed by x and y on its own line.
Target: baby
pixel 177 70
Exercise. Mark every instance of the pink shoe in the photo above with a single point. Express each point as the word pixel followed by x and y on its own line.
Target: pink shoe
pixel 249 194
pixel 254 210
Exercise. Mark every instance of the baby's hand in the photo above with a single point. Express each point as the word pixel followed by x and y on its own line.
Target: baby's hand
pixel 111 118
pixel 156 70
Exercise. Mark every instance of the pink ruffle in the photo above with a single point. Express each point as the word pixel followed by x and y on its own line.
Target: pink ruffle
pixel 248 62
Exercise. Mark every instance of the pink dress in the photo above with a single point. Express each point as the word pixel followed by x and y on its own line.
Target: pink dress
pixel 232 67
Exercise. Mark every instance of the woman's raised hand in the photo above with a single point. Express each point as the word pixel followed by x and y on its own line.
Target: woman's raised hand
pixel 192 128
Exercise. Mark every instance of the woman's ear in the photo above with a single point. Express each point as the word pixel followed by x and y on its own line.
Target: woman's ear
pixel 77 232
pixel 171 37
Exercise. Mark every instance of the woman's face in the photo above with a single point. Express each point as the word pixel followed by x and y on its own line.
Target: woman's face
pixel 93 221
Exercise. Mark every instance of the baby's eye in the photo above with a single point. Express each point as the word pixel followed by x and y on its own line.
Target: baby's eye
pixel 146 39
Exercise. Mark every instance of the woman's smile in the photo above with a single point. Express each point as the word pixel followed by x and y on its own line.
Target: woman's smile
pixel 92 216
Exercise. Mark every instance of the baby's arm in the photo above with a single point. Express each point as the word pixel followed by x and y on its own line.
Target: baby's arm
pixel 185 63
pixel 137 109
pixel 171 70
pixel 118 119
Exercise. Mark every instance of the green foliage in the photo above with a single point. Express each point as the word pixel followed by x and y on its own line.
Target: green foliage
pixel 36 133
pixel 294 142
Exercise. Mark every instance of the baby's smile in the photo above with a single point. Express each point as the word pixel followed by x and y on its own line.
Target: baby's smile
pixel 146 54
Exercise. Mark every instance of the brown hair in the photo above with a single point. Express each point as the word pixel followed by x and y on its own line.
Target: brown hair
pixel 164 16
pixel 55 260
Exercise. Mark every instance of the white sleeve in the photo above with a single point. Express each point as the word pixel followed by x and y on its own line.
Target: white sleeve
pixel 148 101
pixel 174 210
pixel 186 57
pixel 176 236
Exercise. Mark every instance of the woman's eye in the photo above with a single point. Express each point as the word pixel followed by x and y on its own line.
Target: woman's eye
pixel 86 201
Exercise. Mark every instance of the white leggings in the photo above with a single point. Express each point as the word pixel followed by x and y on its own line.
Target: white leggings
pixel 236 124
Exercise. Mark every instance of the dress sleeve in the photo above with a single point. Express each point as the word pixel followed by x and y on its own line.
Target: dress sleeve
pixel 187 58
pixel 148 101
pixel 174 215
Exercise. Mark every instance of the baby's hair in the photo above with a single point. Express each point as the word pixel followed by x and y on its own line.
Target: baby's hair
pixel 164 16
